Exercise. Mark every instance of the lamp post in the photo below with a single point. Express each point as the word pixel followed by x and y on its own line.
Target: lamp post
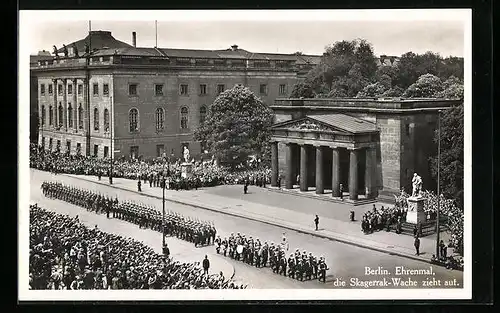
pixel 163 212
pixel 111 141
pixel 438 185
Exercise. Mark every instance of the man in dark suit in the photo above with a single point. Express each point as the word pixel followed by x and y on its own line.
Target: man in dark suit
pixel 316 221
pixel 206 265
pixel 417 245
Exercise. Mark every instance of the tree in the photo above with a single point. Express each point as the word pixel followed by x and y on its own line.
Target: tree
pixel 393 92
pixel 345 68
pixel 372 90
pixel 453 88
pixel 452 154
pixel 302 89
pixel 236 127
pixel 427 86
pixel 452 66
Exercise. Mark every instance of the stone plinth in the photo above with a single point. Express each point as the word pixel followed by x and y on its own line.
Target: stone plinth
pixel 416 212
pixel 186 169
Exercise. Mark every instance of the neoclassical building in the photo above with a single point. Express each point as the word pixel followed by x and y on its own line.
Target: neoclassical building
pixel 146 101
pixel 369 146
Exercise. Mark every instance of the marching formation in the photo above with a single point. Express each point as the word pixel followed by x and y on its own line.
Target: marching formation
pixel 65 254
pixel 251 251
pixel 200 233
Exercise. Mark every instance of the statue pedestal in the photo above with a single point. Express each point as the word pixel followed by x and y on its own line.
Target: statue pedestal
pixel 186 169
pixel 415 212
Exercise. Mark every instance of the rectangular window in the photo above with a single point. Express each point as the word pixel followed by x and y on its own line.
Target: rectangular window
pixel 51 91
pixel 42 89
pixel 282 90
pixel 134 152
pixel 132 89
pixel 263 89
pixel 70 89
pixel 407 129
pixel 203 89
pixel 59 90
pixel 96 150
pixel 184 89
pixel 220 88
pixel 50 143
pixel 159 89
pixel 43 142
pixel 159 150
pixel 80 89
pixel 95 89
pixel 78 148
pixel 106 151
pixel 105 89
pixel 68 146
pixel 58 147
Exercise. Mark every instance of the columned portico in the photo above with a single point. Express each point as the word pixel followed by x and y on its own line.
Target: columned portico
pixel 329 144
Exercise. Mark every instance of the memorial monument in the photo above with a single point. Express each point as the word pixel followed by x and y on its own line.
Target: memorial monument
pixel 187 165
pixel 416 211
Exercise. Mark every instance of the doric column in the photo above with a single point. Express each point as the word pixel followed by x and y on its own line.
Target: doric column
pixel 335 172
pixel 303 167
pixel 289 166
pixel 86 106
pixel 320 187
pixel 55 106
pixel 353 175
pixel 274 164
pixel 74 105
pixel 65 104
pixel 371 158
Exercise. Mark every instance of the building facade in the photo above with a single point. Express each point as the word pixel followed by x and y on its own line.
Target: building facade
pixel 367 145
pixel 146 101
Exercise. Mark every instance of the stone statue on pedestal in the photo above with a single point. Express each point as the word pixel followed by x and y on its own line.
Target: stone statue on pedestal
pixel 417 185
pixel 186 154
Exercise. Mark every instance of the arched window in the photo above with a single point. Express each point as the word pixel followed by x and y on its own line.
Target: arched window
pixel 203 114
pixel 96 119
pixel 70 116
pixel 60 116
pixel 133 118
pixel 160 119
pixel 80 116
pixel 184 117
pixel 43 115
pixel 106 120
pixel 51 116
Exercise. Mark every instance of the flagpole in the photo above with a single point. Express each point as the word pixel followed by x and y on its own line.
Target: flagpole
pixel 156 34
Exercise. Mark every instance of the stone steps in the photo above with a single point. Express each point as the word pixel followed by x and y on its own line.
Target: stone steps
pixel 324 197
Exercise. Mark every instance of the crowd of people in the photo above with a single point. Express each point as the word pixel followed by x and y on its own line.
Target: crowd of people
pixel 65 254
pixel 205 173
pixel 383 218
pixel 200 233
pixel 255 253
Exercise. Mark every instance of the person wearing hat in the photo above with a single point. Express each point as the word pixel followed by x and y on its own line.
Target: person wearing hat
pixel 206 265
pixel 316 221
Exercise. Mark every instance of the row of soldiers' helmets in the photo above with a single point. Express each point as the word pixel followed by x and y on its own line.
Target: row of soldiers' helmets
pixel 278 247
pixel 71 190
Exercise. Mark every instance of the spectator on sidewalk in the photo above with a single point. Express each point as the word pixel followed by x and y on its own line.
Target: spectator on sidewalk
pixel 245 188
pixel 206 265
pixel 166 251
pixel 316 221
pixel 139 186
pixel 279 182
pixel 417 245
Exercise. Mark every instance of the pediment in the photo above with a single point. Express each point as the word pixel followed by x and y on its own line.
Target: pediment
pixel 308 124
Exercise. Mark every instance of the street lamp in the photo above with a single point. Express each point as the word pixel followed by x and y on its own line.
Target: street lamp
pixel 111 141
pixel 163 211
pixel 438 185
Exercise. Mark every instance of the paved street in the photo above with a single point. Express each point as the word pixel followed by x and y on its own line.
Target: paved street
pixel 345 261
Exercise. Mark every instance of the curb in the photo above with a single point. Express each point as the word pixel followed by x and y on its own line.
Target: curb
pixel 334 238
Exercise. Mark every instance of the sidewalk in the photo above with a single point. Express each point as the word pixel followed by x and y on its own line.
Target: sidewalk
pixel 293 219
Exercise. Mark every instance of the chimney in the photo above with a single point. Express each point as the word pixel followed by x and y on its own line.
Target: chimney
pixel 134 39
pixel 234 47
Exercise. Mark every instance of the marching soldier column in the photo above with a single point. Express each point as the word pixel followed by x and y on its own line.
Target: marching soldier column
pixel 201 233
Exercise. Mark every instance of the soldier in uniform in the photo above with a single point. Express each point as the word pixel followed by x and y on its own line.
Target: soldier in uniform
pixel 322 269
pixel 291 266
pixel 139 185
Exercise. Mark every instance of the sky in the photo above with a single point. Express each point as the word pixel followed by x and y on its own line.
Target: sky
pixel 272 33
